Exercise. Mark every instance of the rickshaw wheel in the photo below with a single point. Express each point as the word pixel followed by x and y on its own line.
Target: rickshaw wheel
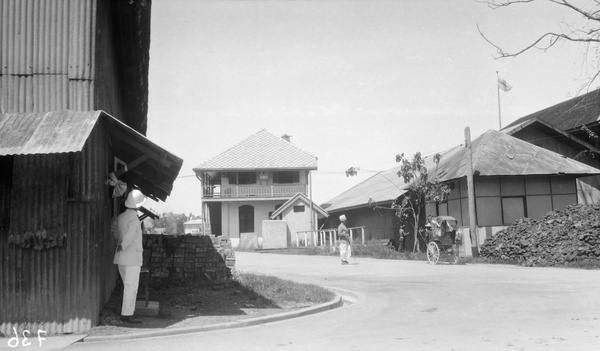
pixel 433 253
pixel 453 257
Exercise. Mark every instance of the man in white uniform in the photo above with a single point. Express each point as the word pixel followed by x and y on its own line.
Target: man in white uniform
pixel 344 242
pixel 129 256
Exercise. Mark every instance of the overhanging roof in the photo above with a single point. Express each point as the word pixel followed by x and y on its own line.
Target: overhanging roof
pixel 498 154
pixel 493 154
pixel 149 167
pixel 382 187
pixel 570 114
pixel 550 130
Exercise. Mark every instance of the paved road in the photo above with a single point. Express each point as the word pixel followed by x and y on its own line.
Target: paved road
pixel 406 305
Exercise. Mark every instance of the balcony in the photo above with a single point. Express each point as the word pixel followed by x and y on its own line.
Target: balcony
pixel 253 191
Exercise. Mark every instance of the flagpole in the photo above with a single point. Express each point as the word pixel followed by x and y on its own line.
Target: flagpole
pixel 499 112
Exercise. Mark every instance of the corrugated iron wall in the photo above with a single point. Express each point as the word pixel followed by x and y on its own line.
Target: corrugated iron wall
pixel 60 290
pixel 47 55
pixel 48 59
pixel 48 37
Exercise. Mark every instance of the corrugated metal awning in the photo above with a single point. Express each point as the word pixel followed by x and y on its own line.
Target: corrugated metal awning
pixel 150 167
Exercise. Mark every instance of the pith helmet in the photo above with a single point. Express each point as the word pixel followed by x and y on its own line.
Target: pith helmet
pixel 135 199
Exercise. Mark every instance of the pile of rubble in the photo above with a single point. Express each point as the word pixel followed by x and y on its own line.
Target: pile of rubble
pixel 562 236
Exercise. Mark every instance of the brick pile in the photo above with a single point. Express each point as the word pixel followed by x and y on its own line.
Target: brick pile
pixel 560 237
pixel 181 257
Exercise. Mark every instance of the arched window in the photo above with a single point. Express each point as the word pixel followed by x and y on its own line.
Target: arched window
pixel 246 214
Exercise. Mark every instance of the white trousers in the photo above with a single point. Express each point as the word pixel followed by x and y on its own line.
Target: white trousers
pixel 345 250
pixel 131 278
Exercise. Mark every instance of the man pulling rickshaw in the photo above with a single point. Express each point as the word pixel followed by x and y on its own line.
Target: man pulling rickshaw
pixel 442 237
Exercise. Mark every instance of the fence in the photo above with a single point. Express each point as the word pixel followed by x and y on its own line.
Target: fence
pixel 326 237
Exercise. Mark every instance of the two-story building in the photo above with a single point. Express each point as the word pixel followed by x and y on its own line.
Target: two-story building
pixel 245 184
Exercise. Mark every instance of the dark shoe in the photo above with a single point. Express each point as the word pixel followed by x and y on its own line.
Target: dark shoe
pixel 130 319
pixel 344 262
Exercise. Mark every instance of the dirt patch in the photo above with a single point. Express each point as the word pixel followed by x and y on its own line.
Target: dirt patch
pixel 190 305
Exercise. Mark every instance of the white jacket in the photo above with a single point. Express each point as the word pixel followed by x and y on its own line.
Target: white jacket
pixel 129 235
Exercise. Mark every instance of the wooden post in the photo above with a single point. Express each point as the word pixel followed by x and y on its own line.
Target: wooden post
pixel 471 191
pixel 312 215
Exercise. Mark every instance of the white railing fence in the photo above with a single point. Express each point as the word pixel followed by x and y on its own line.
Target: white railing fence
pixel 326 237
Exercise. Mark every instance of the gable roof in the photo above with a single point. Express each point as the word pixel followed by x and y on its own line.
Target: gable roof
pixel 493 154
pixel 551 130
pixel 262 150
pixel 299 197
pixel 150 167
pixel 498 154
pixel 570 114
pixel 382 187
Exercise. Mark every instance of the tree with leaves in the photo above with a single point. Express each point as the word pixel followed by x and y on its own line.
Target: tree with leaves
pixel 421 189
pixel 173 222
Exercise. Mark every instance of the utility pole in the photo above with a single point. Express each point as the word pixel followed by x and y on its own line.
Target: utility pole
pixel 312 214
pixel 471 190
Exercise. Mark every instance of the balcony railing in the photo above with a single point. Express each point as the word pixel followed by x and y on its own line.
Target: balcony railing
pixel 242 191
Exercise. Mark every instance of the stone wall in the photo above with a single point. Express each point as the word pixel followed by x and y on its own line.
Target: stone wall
pixel 181 257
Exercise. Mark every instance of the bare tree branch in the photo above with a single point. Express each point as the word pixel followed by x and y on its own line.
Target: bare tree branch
pixel 494 5
pixel 553 39
pixel 588 15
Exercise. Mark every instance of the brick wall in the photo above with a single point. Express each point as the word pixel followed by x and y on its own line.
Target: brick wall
pixel 177 257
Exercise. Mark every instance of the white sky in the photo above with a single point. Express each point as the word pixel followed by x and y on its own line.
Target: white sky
pixel 353 82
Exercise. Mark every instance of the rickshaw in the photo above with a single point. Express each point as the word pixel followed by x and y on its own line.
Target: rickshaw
pixel 443 238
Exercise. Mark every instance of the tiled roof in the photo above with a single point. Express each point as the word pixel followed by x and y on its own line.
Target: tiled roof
pixel 493 154
pixel 262 150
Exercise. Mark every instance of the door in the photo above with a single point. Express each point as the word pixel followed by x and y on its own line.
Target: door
pixel 246 215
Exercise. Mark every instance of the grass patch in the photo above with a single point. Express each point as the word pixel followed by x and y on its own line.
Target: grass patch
pixel 380 251
pixel 282 291
pixel 370 250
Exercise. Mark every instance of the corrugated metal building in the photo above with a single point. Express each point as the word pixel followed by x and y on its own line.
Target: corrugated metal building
pixel 61 62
